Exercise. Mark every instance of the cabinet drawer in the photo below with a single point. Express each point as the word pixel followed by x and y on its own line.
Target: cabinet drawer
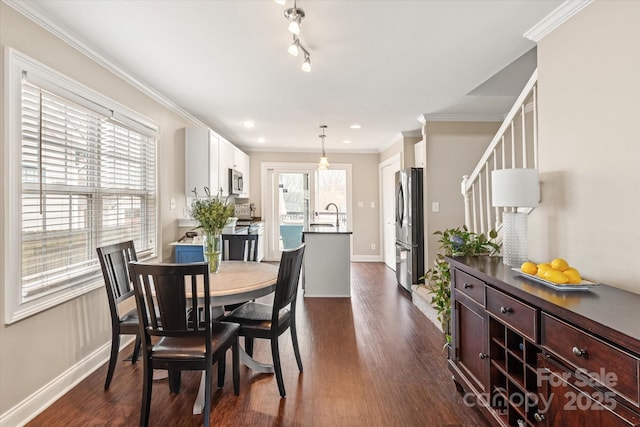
pixel 514 313
pixel 469 285
pixel 607 364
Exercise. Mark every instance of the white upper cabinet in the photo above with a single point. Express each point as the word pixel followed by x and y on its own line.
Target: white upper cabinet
pixel 201 161
pixel 208 159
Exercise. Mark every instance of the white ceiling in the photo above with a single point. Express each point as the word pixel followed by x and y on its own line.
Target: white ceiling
pixel 381 64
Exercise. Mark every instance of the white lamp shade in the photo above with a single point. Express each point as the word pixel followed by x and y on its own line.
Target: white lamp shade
pixel 515 188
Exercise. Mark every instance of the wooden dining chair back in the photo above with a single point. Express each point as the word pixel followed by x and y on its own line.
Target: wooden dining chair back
pixel 113 261
pixel 264 321
pixel 174 307
pixel 240 247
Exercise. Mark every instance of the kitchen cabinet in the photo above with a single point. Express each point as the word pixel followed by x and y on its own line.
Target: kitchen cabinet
pixel 208 159
pixel 201 161
pixel 529 355
pixel 231 157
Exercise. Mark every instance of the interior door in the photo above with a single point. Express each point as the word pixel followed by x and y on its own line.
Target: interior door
pixel 388 212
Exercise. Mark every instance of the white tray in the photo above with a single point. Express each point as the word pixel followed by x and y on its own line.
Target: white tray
pixel 582 286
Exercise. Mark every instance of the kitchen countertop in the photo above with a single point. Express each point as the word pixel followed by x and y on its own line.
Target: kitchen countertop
pixel 325 229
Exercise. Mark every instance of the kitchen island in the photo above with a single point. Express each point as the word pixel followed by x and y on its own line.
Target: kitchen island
pixel 327 261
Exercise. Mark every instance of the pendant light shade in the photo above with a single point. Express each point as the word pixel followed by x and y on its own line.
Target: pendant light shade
pixel 323 165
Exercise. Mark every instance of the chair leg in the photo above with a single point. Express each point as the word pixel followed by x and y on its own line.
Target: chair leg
pixel 174 380
pixel 115 347
pixel 136 349
pixel 275 353
pixel 235 366
pixel 248 346
pixel 294 341
pixel 147 385
pixel 221 370
pixel 207 395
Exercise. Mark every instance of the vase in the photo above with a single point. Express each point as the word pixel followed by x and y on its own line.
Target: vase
pixel 213 250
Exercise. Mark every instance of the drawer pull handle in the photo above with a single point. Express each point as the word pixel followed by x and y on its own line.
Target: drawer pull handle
pixel 578 351
pixel 467 285
pixel 538 417
pixel 505 310
pixel 483 355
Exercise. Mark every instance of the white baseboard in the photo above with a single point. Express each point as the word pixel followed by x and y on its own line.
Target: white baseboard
pixel 366 258
pixel 33 405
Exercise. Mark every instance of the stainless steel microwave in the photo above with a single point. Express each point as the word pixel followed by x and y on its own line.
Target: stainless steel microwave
pixel 235 182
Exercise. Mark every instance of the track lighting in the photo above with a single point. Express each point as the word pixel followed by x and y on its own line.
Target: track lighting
pixel 294 15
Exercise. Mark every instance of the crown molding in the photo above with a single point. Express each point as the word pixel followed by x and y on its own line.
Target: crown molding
pixel 464 117
pixel 556 18
pixel 83 47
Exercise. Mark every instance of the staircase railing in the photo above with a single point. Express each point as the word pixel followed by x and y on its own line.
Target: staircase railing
pixel 515 145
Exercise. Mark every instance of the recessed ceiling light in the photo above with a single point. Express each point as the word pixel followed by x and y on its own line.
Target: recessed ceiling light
pixel 346 141
pixel 261 140
pixel 355 126
pixel 249 124
pixel 280 2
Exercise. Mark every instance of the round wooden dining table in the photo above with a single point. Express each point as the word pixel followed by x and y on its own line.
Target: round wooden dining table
pixel 236 282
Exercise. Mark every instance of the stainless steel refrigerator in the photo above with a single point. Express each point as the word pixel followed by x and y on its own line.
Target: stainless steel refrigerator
pixel 409 227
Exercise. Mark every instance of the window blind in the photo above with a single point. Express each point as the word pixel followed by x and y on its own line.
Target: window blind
pixel 88 180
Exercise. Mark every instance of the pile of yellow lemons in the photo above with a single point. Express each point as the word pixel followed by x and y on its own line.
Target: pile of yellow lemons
pixel 557 271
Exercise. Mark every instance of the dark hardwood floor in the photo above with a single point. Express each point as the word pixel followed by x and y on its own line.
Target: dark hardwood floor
pixel 371 360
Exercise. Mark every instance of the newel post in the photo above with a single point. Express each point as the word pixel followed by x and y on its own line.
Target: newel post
pixel 467 200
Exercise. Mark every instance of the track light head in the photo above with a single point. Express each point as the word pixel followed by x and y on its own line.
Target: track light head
pixel 306 65
pixel 294 15
pixel 294 48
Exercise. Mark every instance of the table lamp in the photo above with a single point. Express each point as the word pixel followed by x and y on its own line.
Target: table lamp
pixel 514 188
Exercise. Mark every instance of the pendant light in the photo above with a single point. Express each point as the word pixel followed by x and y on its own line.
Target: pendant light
pixel 323 165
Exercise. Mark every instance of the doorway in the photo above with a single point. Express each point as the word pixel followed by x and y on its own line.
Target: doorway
pixel 388 169
pixel 298 195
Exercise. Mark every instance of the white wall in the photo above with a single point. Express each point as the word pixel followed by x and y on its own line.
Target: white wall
pixel 589 105
pixel 452 150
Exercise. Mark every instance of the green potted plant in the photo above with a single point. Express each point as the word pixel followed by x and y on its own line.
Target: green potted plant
pixel 212 214
pixel 453 242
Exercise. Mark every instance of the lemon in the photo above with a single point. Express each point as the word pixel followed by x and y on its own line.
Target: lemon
pixel 573 275
pixel 542 269
pixel 544 265
pixel 556 276
pixel 529 268
pixel 559 264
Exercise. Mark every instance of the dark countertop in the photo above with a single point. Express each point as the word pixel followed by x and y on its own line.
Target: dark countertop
pixel 599 306
pixel 325 229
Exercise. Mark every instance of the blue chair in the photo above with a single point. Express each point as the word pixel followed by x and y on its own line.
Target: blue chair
pixel 291 235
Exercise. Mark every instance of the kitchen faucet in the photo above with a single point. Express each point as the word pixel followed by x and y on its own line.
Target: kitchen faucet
pixel 337 213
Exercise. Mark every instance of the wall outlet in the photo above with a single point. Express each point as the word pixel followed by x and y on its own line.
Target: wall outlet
pixel 373 205
pixel 361 204
pixel 373 246
pixel 172 204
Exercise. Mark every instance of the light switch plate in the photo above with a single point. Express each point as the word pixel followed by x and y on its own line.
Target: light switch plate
pixel 435 206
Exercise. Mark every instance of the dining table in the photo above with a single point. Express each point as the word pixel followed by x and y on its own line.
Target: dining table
pixel 237 282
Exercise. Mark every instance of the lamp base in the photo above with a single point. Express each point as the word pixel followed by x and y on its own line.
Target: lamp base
pixel 514 243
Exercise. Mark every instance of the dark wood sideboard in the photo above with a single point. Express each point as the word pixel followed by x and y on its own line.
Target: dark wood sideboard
pixel 529 355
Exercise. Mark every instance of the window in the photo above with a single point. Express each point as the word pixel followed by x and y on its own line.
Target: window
pixel 86 177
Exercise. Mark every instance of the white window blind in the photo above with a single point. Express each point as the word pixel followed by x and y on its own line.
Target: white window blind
pixel 87 181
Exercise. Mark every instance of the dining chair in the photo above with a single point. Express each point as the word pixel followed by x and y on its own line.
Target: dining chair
pixel 113 261
pixel 177 330
pixel 265 321
pixel 240 247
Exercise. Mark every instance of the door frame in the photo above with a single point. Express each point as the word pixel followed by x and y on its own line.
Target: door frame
pixel 395 163
pixel 297 167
